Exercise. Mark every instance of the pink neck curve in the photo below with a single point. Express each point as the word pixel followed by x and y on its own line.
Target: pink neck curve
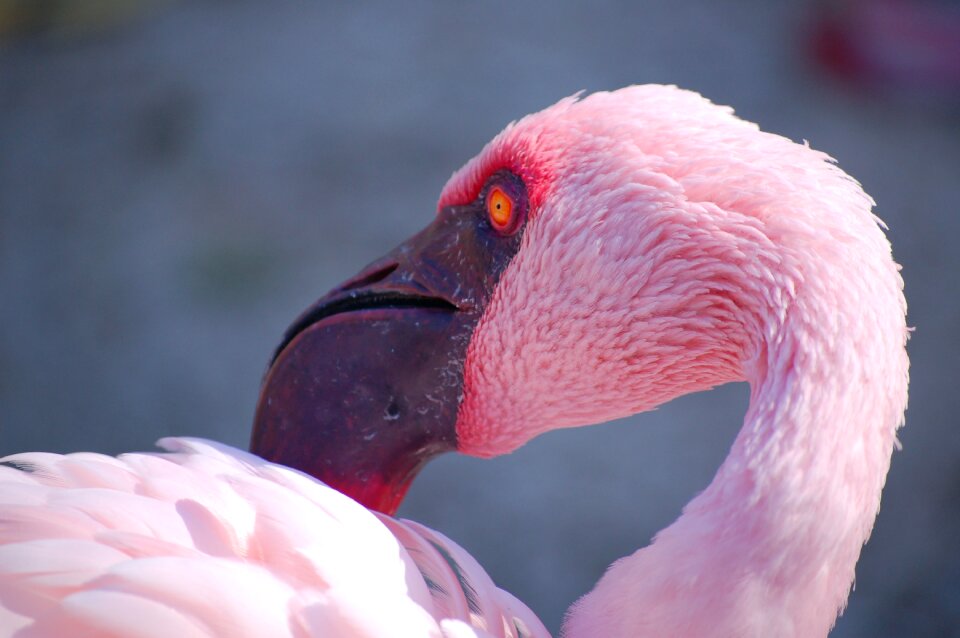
pixel 769 548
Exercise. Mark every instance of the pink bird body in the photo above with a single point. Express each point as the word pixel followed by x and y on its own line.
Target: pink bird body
pixel 669 247
pixel 207 540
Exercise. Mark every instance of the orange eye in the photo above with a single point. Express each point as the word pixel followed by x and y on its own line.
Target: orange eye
pixel 499 208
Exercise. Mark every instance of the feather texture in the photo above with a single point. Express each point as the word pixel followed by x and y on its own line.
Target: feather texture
pixel 206 540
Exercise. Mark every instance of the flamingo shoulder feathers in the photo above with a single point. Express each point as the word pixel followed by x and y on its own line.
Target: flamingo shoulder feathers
pixel 207 540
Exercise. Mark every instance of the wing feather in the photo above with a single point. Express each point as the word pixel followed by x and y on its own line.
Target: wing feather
pixel 206 540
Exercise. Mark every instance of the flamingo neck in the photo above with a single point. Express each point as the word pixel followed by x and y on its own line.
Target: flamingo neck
pixel 770 546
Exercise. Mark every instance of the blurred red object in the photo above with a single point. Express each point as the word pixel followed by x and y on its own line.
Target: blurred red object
pixel 891 45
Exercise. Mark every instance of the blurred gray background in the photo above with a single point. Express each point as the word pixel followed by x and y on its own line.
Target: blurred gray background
pixel 178 180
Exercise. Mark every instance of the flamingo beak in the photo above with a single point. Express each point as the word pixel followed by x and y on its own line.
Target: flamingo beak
pixel 365 386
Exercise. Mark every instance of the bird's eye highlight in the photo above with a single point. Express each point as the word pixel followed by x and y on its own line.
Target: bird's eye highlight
pixel 500 209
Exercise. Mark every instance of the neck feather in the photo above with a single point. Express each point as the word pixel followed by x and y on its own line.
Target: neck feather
pixel 770 547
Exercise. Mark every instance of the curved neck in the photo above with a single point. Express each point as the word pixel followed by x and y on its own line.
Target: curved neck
pixel 770 547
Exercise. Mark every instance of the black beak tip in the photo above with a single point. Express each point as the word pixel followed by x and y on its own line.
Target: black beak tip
pixel 350 396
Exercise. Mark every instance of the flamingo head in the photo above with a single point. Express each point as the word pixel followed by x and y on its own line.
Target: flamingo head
pixel 596 259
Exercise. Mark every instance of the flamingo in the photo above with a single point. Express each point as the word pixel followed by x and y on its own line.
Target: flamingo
pixel 596 259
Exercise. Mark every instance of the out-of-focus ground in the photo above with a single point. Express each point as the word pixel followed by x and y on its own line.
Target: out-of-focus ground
pixel 175 186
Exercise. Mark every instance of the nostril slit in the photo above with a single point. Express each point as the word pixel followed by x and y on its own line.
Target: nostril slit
pixel 392 412
pixel 367 279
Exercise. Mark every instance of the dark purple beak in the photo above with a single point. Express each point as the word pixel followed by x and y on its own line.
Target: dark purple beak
pixel 364 388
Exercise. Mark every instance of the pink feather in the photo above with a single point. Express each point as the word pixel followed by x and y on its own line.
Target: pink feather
pixel 212 541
